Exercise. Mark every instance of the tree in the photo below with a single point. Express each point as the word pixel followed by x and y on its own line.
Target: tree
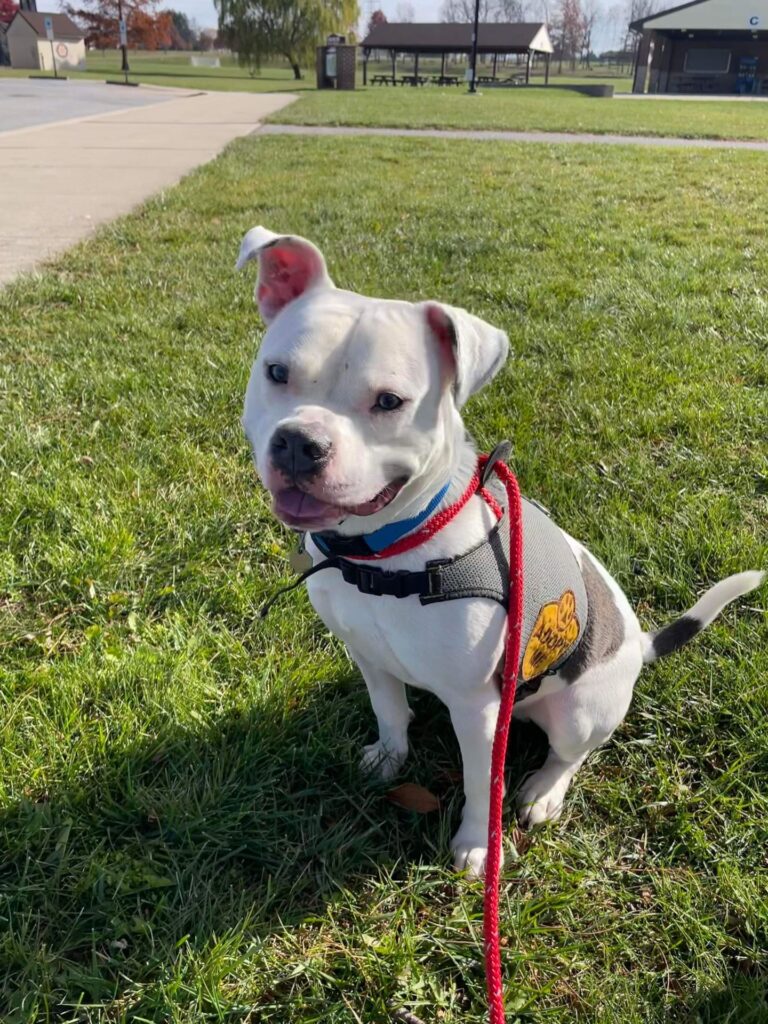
pixel 377 18
pixel 511 10
pixel 568 31
pixel 7 10
pixel 590 15
pixel 286 28
pixel 463 11
pixel 184 34
pixel 99 19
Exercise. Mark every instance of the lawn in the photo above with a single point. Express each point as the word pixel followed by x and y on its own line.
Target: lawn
pixel 175 69
pixel 186 836
pixel 520 109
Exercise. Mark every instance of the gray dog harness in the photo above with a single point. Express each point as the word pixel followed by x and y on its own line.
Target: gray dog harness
pixel 555 606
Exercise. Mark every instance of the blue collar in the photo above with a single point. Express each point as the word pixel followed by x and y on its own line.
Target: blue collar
pixel 372 543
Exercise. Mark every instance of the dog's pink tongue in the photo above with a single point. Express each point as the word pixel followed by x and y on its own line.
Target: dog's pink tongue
pixel 299 505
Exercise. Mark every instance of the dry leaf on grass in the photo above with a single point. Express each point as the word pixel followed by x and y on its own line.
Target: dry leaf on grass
pixel 413 798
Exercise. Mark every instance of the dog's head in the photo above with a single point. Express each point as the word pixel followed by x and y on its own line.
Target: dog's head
pixel 352 408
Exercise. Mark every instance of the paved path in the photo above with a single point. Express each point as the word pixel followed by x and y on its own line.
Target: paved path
pixel 502 136
pixel 685 97
pixel 61 180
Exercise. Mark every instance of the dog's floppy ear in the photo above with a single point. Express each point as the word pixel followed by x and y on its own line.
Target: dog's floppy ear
pixel 288 267
pixel 475 349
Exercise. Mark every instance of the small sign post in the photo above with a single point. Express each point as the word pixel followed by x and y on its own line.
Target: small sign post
pixel 122 41
pixel 48 22
pixel 123 29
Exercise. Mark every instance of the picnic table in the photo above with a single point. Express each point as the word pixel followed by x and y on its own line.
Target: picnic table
pixel 446 79
pixel 383 80
pixel 414 79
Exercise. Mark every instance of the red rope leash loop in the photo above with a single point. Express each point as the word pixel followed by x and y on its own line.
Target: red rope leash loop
pixel 498 756
pixel 509 682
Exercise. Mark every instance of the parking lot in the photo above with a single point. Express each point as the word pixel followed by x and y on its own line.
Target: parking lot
pixel 74 155
pixel 26 103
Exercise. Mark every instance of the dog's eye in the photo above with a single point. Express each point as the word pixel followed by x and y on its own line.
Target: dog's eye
pixel 277 372
pixel 387 401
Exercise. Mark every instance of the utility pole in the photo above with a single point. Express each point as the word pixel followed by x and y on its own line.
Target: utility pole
pixel 473 58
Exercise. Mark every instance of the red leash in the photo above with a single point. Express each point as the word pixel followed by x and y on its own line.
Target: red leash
pixel 509 684
pixel 498 757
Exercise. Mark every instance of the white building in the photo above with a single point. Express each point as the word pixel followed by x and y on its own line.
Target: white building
pixel 29 46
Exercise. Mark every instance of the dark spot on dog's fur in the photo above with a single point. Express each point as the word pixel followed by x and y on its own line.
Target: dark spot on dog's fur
pixel 675 635
pixel 604 633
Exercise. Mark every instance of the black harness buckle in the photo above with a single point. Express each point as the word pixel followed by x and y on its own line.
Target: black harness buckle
pixel 379 582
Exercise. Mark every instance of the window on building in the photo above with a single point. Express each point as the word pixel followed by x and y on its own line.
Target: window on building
pixel 709 62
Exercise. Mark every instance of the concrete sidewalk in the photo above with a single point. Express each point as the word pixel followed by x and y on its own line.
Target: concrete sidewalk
pixel 60 181
pixel 507 136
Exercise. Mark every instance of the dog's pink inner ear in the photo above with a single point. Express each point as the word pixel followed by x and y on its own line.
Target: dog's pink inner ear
pixel 285 272
pixel 444 331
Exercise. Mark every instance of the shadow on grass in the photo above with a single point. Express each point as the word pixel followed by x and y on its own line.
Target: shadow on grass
pixel 249 825
pixel 744 1002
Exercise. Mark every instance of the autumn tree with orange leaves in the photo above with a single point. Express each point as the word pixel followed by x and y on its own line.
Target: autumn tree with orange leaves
pixel 147 29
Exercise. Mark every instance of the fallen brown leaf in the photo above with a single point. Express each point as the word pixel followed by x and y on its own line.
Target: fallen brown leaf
pixel 413 798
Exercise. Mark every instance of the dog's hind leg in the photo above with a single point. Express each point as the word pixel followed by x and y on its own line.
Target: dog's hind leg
pixel 386 756
pixel 577 719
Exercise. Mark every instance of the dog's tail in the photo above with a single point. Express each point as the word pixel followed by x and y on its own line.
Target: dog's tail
pixel 669 639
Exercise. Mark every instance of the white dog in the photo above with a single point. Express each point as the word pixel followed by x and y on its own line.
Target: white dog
pixel 353 411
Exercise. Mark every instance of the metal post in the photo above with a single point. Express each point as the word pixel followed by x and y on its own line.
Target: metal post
pixel 125 69
pixel 416 69
pixel 495 58
pixel 473 58
pixel 528 69
pixel 546 69
pixel 53 58
pixel 394 68
pixel 442 68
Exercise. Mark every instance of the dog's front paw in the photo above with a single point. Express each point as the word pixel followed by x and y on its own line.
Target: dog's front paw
pixel 381 761
pixel 470 848
pixel 540 801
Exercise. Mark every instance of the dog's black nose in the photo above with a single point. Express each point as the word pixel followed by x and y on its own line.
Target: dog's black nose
pixel 296 452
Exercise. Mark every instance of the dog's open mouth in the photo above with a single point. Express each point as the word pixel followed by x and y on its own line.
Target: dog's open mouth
pixel 298 508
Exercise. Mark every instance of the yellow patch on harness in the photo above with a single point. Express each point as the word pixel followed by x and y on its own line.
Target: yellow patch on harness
pixel 556 629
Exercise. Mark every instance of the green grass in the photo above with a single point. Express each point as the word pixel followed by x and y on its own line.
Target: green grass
pixel 175 70
pixel 185 835
pixel 520 109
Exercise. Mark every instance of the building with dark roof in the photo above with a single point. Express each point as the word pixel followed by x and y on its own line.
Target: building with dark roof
pixel 444 38
pixel 29 46
pixel 706 46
